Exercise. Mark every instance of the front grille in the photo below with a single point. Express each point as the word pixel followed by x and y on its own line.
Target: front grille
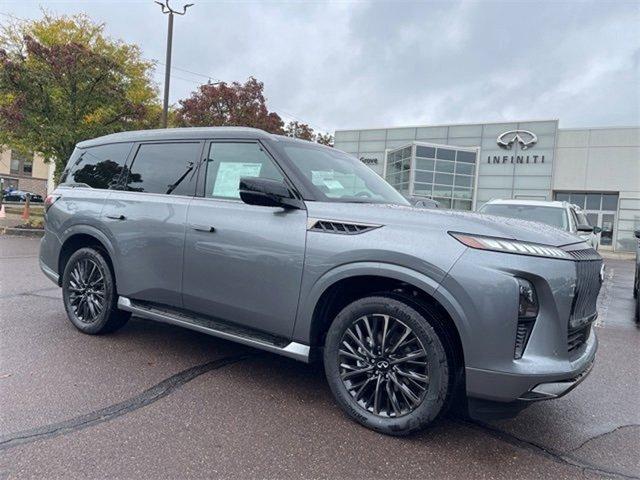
pixel 583 309
pixel 342 228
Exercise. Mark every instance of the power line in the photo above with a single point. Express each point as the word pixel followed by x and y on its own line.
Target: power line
pixel 203 75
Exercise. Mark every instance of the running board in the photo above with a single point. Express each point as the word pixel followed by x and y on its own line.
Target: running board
pixel 294 350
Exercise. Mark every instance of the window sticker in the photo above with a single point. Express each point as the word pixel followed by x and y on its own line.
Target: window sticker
pixel 228 177
pixel 332 184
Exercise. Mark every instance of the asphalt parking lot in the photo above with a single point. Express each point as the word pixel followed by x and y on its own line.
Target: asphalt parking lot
pixel 156 401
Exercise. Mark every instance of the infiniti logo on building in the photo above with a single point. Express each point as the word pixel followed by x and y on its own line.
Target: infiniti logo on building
pixel 525 138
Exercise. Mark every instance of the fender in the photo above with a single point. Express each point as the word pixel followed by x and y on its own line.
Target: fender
pixel 308 302
pixel 96 233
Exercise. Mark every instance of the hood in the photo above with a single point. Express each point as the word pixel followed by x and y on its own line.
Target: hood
pixel 445 220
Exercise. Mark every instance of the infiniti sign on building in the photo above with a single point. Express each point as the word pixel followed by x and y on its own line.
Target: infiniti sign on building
pixel 464 166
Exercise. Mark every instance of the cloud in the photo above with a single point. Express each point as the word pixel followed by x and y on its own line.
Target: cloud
pixel 358 64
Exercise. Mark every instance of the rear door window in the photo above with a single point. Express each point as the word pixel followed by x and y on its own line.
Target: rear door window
pixel 166 168
pixel 97 167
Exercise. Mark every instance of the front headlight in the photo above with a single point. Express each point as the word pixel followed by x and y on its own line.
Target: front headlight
pixel 510 246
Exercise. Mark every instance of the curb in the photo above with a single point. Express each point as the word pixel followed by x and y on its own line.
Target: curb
pixel 22 232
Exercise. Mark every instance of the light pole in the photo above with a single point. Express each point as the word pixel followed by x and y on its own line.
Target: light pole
pixel 166 8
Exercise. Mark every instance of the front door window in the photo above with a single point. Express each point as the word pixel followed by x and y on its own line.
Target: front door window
pixel 229 161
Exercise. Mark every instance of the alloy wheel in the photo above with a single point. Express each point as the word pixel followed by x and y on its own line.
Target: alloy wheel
pixel 383 365
pixel 87 290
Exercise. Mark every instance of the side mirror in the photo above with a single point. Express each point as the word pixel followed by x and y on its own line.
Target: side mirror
pixel 637 234
pixel 597 229
pixel 267 193
pixel 585 228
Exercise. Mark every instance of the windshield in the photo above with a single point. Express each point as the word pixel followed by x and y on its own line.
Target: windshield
pixel 339 177
pixel 553 216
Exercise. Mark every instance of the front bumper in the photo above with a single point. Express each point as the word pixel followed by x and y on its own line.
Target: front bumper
pixel 549 390
pixel 557 355
pixel 509 387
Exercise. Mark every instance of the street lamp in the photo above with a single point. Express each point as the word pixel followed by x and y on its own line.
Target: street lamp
pixel 166 8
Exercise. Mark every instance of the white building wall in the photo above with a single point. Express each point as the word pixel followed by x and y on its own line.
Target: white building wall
pixel 581 160
pixel 605 160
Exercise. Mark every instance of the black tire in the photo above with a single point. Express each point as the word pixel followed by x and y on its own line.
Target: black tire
pixel 435 394
pixel 84 313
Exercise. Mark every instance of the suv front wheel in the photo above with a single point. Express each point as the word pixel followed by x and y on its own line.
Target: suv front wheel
pixel 89 294
pixel 387 365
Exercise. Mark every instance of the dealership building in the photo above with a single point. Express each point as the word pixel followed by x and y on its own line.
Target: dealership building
pixel 464 166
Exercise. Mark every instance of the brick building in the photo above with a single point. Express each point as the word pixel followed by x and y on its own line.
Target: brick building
pixel 25 172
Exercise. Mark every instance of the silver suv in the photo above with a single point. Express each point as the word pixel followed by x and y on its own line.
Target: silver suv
pixel 301 250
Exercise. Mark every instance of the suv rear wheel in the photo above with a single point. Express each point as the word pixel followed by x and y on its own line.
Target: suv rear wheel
pixel 387 365
pixel 89 294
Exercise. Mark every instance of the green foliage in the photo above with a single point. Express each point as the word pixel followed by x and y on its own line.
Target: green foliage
pixel 62 80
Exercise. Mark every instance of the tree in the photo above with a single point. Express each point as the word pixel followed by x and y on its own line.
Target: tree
pixel 235 104
pixel 300 130
pixel 303 131
pixel 63 81
pixel 325 139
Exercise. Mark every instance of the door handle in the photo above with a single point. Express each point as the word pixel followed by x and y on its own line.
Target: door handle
pixel 203 228
pixel 116 217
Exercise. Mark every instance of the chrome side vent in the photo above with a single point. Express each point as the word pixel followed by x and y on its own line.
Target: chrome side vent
pixel 341 228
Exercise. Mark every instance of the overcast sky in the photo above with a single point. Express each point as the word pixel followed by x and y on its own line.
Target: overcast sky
pixel 357 64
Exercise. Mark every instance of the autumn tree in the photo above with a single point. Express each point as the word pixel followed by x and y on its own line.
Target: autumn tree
pixel 300 130
pixel 234 104
pixel 62 80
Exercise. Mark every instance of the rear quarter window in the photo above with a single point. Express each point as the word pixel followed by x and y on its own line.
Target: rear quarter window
pixel 97 167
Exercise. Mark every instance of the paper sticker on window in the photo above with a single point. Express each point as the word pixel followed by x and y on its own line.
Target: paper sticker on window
pixel 332 184
pixel 228 177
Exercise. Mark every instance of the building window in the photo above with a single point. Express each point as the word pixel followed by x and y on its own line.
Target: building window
pixel 21 164
pixel 443 174
pixel 599 208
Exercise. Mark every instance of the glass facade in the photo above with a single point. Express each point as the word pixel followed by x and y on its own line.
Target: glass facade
pixel 443 173
pixel 600 209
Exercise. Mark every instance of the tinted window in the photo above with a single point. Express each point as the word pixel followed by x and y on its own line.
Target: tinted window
pixel 167 168
pixel 428 152
pixel 609 202
pixel 97 167
pixel 424 164
pixel 445 166
pixel 464 168
pixel 577 199
pixel 467 157
pixel 446 154
pixel 426 177
pixel 228 162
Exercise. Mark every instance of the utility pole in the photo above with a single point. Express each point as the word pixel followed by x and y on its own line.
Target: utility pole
pixel 166 9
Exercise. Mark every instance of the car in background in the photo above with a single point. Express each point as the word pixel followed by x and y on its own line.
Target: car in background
pixel 562 215
pixel 21 196
pixel 636 279
pixel 422 202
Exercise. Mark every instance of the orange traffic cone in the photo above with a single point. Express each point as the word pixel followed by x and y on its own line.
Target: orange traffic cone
pixel 25 212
